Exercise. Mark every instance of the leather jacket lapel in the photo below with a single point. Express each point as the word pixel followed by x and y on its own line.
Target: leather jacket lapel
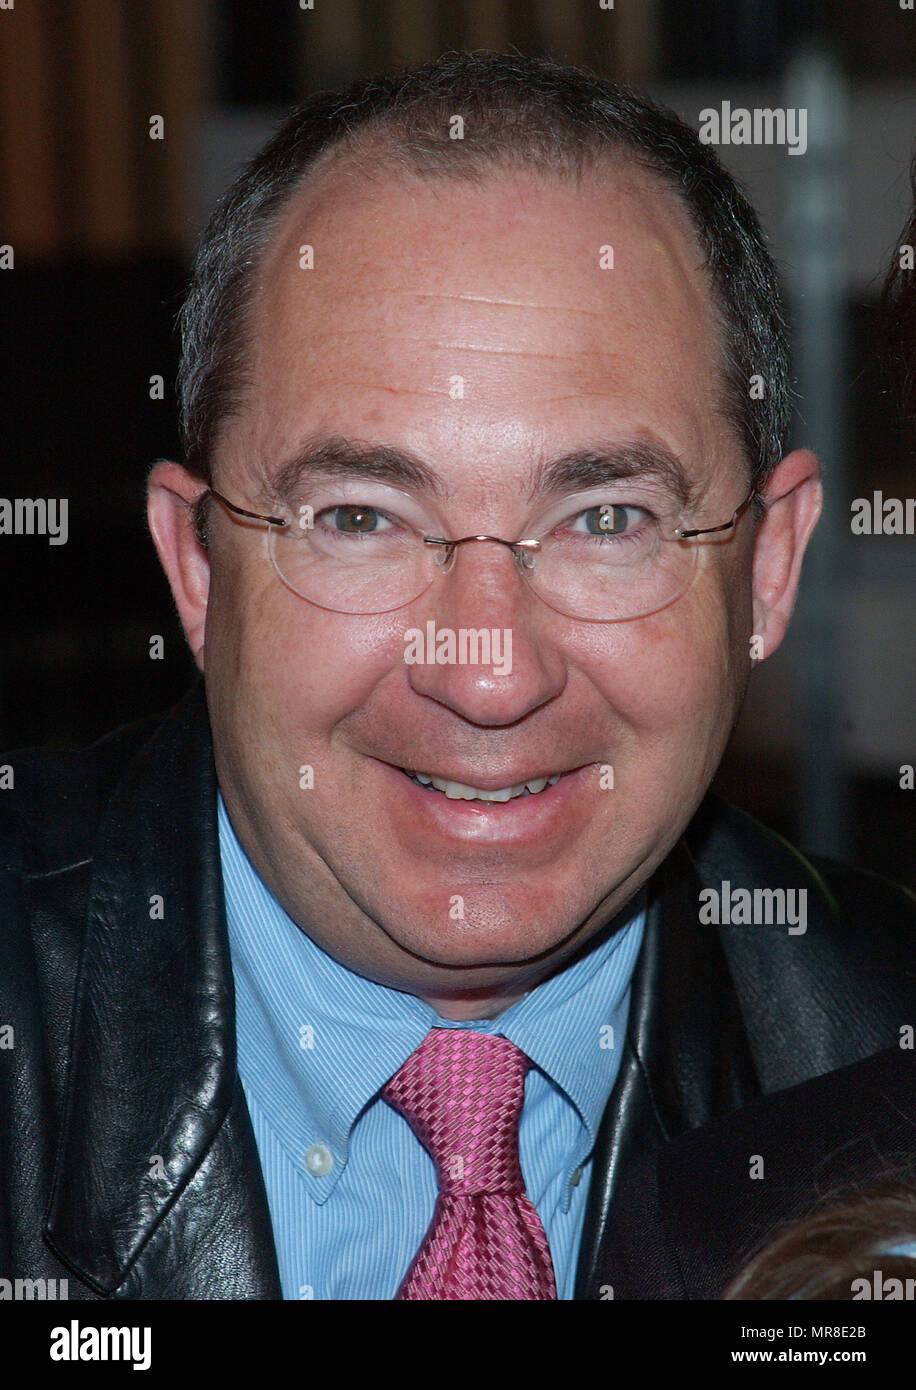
pixel 152 1072
pixel 686 1056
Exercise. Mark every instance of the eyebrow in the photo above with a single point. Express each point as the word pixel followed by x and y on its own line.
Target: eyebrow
pixel 583 468
pixel 336 457
pixel 622 460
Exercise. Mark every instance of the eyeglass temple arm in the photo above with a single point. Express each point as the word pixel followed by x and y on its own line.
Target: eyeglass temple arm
pixel 726 525
pixel 240 511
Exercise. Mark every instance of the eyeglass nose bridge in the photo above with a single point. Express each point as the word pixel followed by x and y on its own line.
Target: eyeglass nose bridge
pixel 522 551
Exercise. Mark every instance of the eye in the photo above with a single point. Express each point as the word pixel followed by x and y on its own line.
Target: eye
pixel 608 519
pixel 355 520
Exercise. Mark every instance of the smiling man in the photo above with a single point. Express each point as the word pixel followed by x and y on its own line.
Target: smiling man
pixel 391 954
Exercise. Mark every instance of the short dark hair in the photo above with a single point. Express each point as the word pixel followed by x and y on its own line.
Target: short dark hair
pixel 517 111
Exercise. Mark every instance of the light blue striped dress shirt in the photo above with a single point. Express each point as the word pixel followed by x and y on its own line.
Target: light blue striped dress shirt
pixel 351 1189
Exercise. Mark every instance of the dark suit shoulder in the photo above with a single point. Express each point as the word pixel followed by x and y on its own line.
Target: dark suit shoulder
pixel 727 1188
pixel 727 842
pixel 857 889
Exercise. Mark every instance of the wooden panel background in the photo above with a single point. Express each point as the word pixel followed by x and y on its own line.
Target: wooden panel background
pixel 80 79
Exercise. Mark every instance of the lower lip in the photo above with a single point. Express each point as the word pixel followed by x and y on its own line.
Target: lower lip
pixel 535 817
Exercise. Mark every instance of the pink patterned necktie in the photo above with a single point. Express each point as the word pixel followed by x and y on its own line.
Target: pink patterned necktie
pixel 461 1093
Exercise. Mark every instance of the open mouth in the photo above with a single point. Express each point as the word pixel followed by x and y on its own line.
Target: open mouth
pixel 460 791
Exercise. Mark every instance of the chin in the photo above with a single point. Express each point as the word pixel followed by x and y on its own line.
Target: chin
pixel 496 929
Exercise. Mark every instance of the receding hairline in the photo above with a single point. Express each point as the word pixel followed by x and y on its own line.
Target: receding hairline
pixel 377 155
pixel 378 165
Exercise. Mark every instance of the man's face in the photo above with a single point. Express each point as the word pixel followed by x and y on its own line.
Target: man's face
pixel 415 285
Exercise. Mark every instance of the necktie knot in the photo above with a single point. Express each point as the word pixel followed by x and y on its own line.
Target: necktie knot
pixel 462 1093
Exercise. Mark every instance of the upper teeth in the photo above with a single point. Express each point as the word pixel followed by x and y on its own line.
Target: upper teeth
pixel 460 791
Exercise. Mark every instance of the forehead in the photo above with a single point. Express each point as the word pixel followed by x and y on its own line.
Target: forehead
pixel 483 324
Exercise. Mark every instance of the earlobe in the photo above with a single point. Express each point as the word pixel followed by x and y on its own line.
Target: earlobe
pixel 172 492
pixel 793 497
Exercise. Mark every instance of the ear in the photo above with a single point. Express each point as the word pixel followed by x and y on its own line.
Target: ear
pixel 171 493
pixel 793 497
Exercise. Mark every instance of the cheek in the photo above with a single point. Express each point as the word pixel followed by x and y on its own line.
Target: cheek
pixel 672 681
pixel 298 670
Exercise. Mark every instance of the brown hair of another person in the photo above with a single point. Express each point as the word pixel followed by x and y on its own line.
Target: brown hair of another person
pixel 821 1256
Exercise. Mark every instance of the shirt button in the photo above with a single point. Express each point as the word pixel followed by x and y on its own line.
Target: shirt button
pixel 576 1177
pixel 318 1160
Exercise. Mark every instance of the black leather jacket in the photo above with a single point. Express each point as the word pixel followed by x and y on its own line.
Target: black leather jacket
pixel 128 1164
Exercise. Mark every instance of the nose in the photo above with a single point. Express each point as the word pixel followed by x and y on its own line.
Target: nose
pixel 490 650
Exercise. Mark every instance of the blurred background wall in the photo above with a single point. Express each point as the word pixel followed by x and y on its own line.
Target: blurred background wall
pixel 101 216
